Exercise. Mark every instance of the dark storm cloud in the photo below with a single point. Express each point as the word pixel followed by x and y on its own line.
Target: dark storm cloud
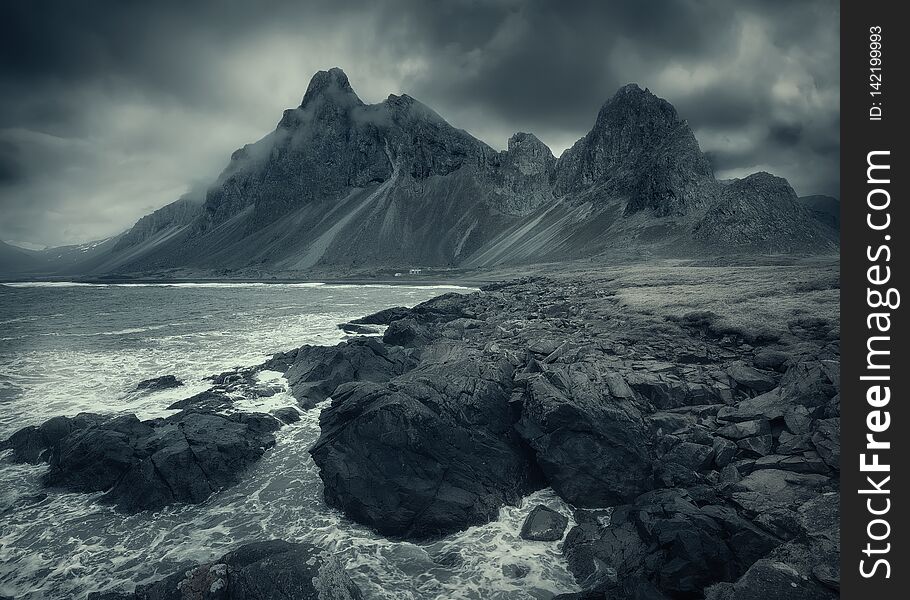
pixel 111 109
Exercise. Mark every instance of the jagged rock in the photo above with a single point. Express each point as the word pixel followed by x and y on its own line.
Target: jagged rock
pixel 165 382
pixel 669 392
pixel 663 541
pixel 762 210
pixel 287 415
pixel 809 384
pixel 526 174
pixel 668 422
pixel 697 457
pixel 405 332
pixel 769 406
pixel 750 378
pixel 147 464
pixel 544 524
pixel 745 429
pixel 769 579
pixel 639 146
pixel 357 329
pixel 730 474
pixel 790 443
pixel 317 370
pixel 770 359
pixel 759 445
pixel 767 489
pixel 515 571
pixel 33 444
pixel 211 400
pixel 724 451
pixel 807 462
pixel 591 447
pixel 826 440
pixel 426 454
pixel 798 419
pixel 274 569
pixel 383 317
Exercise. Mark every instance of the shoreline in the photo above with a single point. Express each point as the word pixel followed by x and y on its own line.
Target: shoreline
pixel 615 387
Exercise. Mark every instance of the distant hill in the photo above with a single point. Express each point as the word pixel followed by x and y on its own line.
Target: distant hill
pixel 824 208
pixel 14 260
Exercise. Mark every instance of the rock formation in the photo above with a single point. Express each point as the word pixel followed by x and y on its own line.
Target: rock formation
pixel 344 186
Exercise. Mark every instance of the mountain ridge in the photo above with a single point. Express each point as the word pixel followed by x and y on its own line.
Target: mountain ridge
pixel 340 185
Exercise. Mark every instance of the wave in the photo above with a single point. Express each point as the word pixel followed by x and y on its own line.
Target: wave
pixel 42 284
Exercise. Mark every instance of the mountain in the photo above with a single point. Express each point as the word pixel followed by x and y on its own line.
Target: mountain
pixel 342 186
pixel 824 208
pixel 14 260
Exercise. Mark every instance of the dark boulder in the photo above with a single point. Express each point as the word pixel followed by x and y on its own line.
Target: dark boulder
pixel 210 400
pixel 287 415
pixel 751 378
pixel 810 383
pixel 405 332
pixel 515 570
pixel 770 359
pixel 767 490
pixel 155 384
pixel 357 329
pixel 826 440
pixel 769 578
pixel 33 444
pixel 592 447
pixel 544 524
pixel 148 464
pixel 383 317
pixel 261 570
pixel 317 370
pixel 445 308
pixel 429 453
pixel 664 543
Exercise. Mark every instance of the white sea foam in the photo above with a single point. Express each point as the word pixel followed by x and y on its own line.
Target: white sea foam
pixel 63 545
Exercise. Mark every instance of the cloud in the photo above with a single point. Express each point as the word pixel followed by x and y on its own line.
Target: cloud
pixel 109 110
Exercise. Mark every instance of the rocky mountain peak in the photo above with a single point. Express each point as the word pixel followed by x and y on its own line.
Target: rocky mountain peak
pixel 634 120
pixel 763 181
pixel 343 183
pixel 525 175
pixel 640 149
pixel 332 85
pixel 528 144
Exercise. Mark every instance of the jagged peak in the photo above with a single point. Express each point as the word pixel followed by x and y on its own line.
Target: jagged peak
pixel 525 143
pixel 631 102
pixel 522 138
pixel 762 180
pixel 329 84
pixel 632 89
pixel 411 108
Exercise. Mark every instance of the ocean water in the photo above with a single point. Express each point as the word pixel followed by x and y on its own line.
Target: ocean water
pixel 66 348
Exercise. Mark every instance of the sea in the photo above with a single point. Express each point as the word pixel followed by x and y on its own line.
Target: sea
pixel 66 348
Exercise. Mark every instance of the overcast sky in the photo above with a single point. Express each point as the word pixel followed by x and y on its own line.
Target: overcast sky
pixel 109 110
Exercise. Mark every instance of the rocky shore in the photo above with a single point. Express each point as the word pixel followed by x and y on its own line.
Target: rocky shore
pixel 699 448
pixel 689 415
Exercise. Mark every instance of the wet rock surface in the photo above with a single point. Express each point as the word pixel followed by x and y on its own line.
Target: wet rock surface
pixel 145 465
pixel 708 439
pixel 313 372
pixel 544 524
pixel 155 384
pixel 257 571
pixel 700 454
